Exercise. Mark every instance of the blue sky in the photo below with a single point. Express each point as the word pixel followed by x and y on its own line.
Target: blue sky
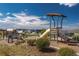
pixel 33 15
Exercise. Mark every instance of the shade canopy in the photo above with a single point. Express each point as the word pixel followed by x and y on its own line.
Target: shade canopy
pixel 55 14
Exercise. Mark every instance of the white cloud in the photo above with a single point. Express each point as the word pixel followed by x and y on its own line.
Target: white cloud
pixel 1 14
pixel 69 4
pixel 22 20
pixel 71 26
pixel 8 13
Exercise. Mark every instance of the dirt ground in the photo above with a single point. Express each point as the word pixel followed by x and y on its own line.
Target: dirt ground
pixel 33 51
pixel 60 45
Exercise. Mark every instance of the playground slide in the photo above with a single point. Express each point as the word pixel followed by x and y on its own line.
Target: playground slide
pixel 45 34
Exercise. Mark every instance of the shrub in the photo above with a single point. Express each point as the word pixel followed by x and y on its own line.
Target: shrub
pixel 42 31
pixel 22 41
pixel 24 35
pixel 18 50
pixel 76 37
pixel 69 34
pixel 66 52
pixel 31 42
pixel 4 50
pixel 19 42
pixel 42 43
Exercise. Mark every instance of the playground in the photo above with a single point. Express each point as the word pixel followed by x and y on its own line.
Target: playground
pixel 20 39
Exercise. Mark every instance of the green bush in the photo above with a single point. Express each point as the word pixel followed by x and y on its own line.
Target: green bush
pixel 42 43
pixel 66 52
pixel 42 31
pixel 76 37
pixel 31 42
pixel 69 34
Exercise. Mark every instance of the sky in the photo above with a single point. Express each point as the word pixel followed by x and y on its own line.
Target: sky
pixel 34 15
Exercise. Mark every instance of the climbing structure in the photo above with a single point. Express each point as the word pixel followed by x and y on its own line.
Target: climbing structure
pixel 56 21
